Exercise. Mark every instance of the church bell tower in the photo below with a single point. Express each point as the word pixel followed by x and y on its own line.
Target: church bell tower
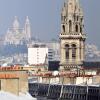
pixel 72 36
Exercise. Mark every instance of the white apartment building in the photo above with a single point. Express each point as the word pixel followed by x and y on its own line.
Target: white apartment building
pixel 37 54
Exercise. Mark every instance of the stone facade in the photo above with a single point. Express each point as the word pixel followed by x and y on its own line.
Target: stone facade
pixel 14 81
pixel 10 85
pixel 72 36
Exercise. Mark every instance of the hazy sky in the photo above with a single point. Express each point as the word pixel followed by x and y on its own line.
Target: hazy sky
pixel 45 17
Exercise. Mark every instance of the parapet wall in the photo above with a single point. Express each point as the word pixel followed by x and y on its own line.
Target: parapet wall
pixel 10 85
pixel 14 81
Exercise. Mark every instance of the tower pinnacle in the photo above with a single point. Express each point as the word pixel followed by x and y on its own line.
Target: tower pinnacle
pixel 16 23
pixel 27 20
pixel 27 28
pixel 72 35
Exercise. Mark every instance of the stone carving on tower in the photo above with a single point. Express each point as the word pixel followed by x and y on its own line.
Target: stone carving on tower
pixel 72 36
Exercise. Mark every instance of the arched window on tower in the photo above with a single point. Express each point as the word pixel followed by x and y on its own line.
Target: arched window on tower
pixel 76 28
pixel 67 51
pixel 63 27
pixel 70 26
pixel 73 51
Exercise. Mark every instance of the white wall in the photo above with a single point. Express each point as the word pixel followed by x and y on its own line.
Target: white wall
pixel 37 55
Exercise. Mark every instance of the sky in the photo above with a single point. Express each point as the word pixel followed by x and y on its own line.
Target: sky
pixel 45 18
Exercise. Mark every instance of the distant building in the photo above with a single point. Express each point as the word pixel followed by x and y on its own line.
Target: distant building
pixel 53 55
pixel 16 34
pixel 53 51
pixel 92 53
pixel 37 54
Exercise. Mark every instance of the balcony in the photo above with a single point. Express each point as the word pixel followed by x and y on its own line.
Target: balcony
pixel 71 62
pixel 72 35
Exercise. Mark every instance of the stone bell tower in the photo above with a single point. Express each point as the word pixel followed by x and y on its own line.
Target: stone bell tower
pixel 72 36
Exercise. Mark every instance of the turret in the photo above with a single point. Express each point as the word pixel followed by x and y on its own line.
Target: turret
pixel 16 23
pixel 27 28
pixel 72 18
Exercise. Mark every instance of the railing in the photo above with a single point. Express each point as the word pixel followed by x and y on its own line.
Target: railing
pixel 71 61
pixel 11 68
pixel 69 92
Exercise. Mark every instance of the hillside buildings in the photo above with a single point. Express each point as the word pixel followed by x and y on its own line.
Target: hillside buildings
pixel 16 34
pixel 37 54
pixel 92 53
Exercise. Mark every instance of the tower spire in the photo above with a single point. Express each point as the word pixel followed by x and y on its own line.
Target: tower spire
pixel 27 28
pixel 16 23
pixel 71 5
pixel 27 20
pixel 72 35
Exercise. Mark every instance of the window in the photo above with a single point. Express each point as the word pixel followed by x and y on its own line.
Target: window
pixel 70 26
pixel 73 51
pixel 67 51
pixel 63 28
pixel 76 28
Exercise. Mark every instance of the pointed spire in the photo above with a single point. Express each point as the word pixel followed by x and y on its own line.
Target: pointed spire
pixel 77 7
pixel 16 23
pixel 64 4
pixel 71 6
pixel 27 28
pixel 27 19
pixel 72 12
pixel 77 3
pixel 81 11
pixel 64 9
pixel 64 12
